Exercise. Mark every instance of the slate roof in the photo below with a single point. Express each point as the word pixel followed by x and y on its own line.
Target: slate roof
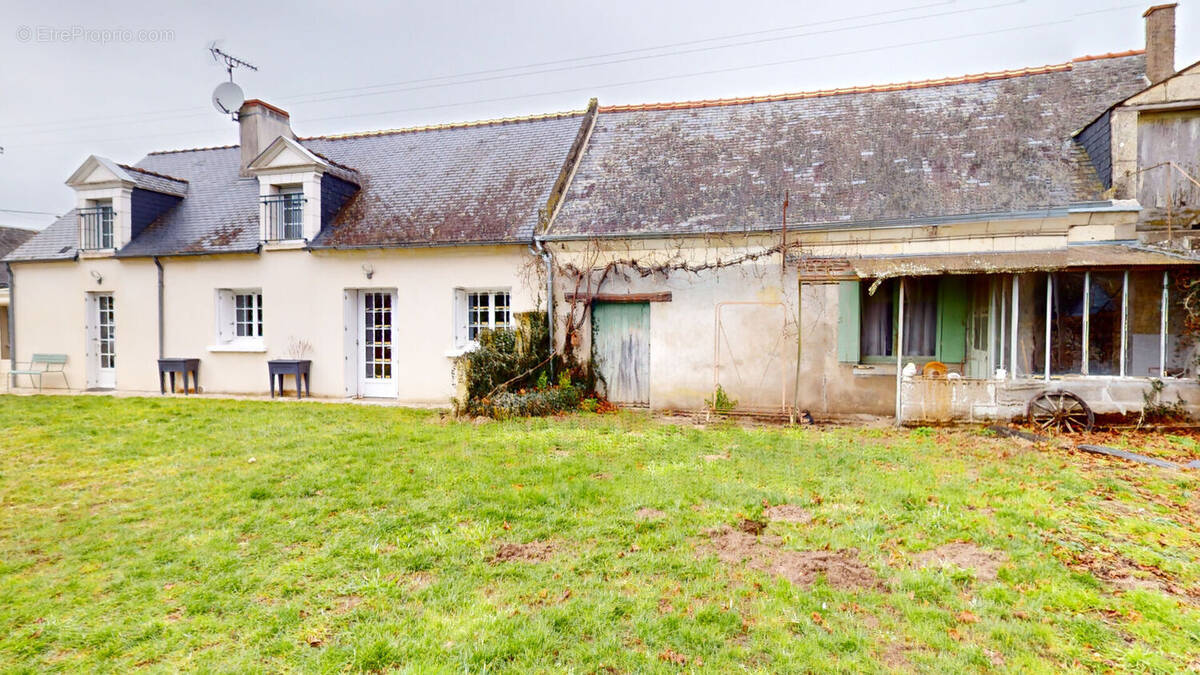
pixel 990 143
pixel 448 185
pixel 219 213
pixel 10 239
pixel 149 180
pixel 478 182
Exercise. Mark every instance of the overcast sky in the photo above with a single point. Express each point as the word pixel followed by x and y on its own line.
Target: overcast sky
pixel 79 78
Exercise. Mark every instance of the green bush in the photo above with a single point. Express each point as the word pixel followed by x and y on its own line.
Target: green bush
pixel 508 374
pixel 535 403
pixel 505 354
pixel 720 402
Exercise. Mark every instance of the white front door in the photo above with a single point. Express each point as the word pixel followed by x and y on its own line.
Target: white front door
pixel 376 338
pixel 102 339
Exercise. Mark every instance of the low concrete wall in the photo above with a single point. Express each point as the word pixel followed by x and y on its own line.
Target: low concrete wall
pixel 937 400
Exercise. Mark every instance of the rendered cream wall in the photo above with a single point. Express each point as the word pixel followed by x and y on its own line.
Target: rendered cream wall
pixel 303 297
pixel 51 304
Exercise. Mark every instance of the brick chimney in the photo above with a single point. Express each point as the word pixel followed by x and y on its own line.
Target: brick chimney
pixel 1160 42
pixel 261 123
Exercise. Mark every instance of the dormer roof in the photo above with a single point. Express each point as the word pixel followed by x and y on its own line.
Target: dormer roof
pixel 286 155
pixel 101 172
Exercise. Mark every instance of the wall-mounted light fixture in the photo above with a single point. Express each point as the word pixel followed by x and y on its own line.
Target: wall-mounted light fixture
pixel 99 279
pixel 368 269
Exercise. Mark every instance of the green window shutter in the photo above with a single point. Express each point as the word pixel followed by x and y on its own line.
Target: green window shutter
pixel 849 318
pixel 952 319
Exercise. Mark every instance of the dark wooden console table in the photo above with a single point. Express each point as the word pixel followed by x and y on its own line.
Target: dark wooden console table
pixel 296 368
pixel 183 366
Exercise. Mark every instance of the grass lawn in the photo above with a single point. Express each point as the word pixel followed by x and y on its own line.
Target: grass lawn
pixel 222 535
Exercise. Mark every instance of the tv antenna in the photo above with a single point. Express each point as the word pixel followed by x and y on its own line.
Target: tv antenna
pixel 228 98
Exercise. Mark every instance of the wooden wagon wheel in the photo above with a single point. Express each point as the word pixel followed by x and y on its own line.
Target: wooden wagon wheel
pixel 1060 411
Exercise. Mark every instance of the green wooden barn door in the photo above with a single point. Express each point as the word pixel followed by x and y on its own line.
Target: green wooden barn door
pixel 621 350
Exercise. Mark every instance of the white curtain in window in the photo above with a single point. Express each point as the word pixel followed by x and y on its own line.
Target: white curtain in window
pixel 920 317
pixel 876 333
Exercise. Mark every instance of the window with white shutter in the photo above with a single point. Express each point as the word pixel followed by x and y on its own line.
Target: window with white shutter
pixel 476 310
pixel 239 317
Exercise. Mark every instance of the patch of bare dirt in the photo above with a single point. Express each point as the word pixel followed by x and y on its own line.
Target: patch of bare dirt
pixel 895 657
pixel 752 526
pixel 1126 575
pixel 787 513
pixel 715 458
pixel 415 581
pixel 649 514
pixel 841 569
pixel 346 603
pixel 984 563
pixel 534 551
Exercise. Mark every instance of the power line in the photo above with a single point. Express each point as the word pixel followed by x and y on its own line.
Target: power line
pixel 431 82
pixel 30 213
pixel 634 82
pixel 625 52
pixel 664 55
pixel 715 71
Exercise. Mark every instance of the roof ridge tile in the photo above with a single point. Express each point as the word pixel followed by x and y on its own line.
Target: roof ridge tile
pixel 447 126
pixel 152 173
pixel 868 89
pixel 211 147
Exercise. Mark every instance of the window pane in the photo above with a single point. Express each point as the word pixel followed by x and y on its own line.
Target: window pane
pixel 503 315
pixel 478 313
pixel 1066 330
pixel 1181 345
pixel 1029 360
pixel 1104 323
pixel 1002 326
pixel 877 321
pixel 1145 323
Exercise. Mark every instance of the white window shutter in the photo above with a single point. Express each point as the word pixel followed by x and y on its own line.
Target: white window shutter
pixel 460 317
pixel 225 315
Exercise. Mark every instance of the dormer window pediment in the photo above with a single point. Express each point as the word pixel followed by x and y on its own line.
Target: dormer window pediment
pixel 289 179
pixel 105 198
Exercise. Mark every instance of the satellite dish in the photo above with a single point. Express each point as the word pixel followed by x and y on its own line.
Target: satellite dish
pixel 228 98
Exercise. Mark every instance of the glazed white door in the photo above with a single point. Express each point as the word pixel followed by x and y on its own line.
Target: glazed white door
pixel 978 354
pixel 376 340
pixel 102 339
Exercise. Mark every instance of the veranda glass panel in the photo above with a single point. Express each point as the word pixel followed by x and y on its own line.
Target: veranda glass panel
pixel 1181 339
pixel 1066 330
pixel 1145 323
pixel 1029 359
pixel 1104 323
pixel 1002 326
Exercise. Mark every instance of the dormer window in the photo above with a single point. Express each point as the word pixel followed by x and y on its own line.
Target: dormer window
pixel 284 213
pixel 115 202
pixel 96 225
pixel 298 190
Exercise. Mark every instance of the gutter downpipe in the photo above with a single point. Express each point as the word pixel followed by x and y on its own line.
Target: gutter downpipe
pixel 540 250
pixel 12 318
pixel 158 264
